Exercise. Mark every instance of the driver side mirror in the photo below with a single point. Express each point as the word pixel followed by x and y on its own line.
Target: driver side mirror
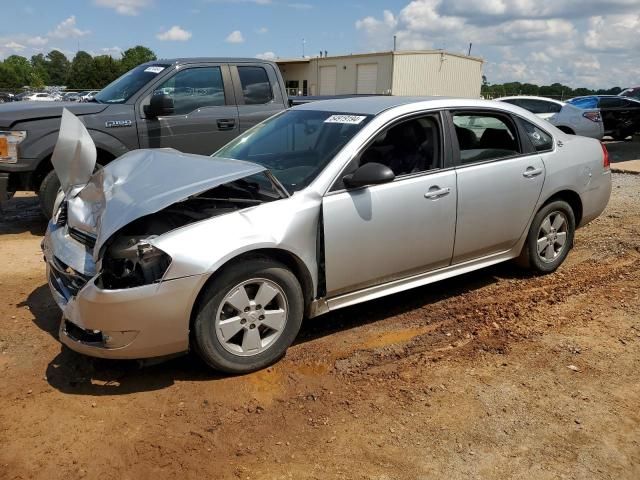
pixel 161 104
pixel 369 174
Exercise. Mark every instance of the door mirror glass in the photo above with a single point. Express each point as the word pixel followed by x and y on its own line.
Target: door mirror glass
pixel 369 174
pixel 160 105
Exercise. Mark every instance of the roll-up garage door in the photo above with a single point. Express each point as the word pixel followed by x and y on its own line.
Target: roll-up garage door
pixel 367 78
pixel 328 80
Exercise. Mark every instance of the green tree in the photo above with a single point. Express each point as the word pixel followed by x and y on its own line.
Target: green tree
pixel 39 66
pixel 105 70
pixel 57 67
pixel 135 56
pixel 8 77
pixel 21 70
pixel 81 72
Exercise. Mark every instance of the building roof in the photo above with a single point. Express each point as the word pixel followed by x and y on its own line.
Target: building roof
pixel 180 60
pixel 370 105
pixel 386 52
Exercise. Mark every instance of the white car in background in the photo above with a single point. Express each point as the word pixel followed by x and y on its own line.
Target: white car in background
pixel 566 117
pixel 88 96
pixel 39 97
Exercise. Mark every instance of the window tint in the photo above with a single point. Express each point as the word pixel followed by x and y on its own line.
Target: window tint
pixel 256 88
pixel 540 139
pixel 483 137
pixel 194 88
pixel 412 146
pixel 539 106
pixel 611 102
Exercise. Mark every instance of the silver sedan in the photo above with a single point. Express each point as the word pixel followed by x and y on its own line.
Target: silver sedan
pixel 323 206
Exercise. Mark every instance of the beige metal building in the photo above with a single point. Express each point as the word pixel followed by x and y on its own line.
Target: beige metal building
pixel 422 72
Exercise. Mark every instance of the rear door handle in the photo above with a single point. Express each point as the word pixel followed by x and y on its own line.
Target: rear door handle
pixel 531 172
pixel 436 192
pixel 226 124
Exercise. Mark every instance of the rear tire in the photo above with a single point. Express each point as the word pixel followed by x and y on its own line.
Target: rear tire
pixel 248 317
pixel 550 237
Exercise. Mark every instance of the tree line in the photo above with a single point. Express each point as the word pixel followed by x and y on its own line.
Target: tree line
pixel 82 72
pixel 555 90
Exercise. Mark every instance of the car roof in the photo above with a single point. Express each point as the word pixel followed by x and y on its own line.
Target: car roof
pixel 374 105
pixel 531 97
pixel 183 60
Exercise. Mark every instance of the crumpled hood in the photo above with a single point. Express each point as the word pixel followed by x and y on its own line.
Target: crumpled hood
pixel 142 182
pixel 14 112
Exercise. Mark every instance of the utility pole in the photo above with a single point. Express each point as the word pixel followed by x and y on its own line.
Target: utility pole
pixel 469 52
pixel 303 42
pixel 395 39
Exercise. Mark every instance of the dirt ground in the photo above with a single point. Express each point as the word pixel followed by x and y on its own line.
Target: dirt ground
pixel 497 374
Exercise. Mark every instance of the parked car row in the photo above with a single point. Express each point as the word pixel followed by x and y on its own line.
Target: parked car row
pixel 56 96
pixel 592 116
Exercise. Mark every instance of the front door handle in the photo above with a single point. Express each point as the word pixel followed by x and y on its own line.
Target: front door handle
pixel 436 192
pixel 531 172
pixel 226 124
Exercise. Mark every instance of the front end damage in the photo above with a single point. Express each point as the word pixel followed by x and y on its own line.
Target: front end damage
pixel 105 271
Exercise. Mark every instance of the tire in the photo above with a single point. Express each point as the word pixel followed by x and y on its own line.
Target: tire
pixel 234 353
pixel 48 192
pixel 620 135
pixel 561 225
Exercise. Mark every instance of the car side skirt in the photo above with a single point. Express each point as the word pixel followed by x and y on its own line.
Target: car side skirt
pixel 325 305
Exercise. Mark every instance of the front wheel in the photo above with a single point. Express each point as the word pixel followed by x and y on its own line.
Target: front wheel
pixel 249 316
pixel 48 192
pixel 550 236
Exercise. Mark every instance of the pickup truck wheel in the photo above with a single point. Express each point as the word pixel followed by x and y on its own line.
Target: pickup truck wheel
pixel 249 316
pixel 550 236
pixel 48 192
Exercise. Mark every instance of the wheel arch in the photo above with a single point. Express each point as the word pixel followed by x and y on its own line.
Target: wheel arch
pixel 286 257
pixel 566 129
pixel 572 198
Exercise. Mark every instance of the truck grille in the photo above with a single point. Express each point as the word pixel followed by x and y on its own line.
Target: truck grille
pixel 82 237
pixel 62 215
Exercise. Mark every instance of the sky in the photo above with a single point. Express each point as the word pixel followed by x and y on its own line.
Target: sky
pixel 591 43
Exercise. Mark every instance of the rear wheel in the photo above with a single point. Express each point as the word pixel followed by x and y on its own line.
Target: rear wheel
pixel 249 316
pixel 550 236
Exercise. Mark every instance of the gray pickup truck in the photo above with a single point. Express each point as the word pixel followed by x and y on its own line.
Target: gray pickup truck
pixel 195 105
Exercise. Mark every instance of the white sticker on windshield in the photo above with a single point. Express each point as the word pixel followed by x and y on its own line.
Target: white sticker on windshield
pixel 351 119
pixel 154 69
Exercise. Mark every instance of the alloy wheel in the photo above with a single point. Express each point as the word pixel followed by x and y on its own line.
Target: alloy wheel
pixel 552 236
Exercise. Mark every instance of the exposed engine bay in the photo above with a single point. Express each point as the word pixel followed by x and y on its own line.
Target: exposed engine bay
pixel 130 260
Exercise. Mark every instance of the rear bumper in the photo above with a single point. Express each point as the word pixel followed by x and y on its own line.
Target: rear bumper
pixel 596 198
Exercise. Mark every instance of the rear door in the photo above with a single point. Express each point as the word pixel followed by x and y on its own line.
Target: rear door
pixel 257 89
pixel 205 112
pixel 499 180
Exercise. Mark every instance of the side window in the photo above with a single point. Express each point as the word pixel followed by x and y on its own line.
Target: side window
pixel 540 139
pixel 256 88
pixel 611 102
pixel 535 106
pixel 483 137
pixel 194 88
pixel 408 147
pixel 554 107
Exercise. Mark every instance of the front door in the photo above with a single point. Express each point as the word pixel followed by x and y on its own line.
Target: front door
pixel 380 233
pixel 499 184
pixel 205 114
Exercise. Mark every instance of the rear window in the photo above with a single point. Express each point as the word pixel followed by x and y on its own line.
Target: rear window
pixel 584 102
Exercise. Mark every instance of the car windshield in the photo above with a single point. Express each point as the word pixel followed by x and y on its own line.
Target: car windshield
pixel 297 144
pixel 123 88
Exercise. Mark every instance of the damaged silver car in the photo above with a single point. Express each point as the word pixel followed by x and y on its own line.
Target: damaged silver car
pixel 323 206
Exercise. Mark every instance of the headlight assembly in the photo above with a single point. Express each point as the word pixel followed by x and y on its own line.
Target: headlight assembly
pixel 9 142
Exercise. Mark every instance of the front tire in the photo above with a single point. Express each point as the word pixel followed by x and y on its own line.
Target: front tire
pixel 550 237
pixel 249 316
pixel 48 192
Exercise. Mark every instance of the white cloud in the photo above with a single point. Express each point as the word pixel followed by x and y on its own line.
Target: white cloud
pixel 175 33
pixel 115 52
pixel 235 37
pixel 67 29
pixel 124 7
pixel 267 56
pixel 38 41
pixel 262 30
pixel 14 46
pixel 543 41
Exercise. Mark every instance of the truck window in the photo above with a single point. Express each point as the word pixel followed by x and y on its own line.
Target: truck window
pixel 256 88
pixel 194 88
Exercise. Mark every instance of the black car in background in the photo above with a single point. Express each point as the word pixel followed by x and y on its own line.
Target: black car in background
pixel 6 97
pixel 620 115
pixel 631 92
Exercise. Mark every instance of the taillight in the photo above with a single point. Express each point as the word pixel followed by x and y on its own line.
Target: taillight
pixel 605 156
pixel 593 116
